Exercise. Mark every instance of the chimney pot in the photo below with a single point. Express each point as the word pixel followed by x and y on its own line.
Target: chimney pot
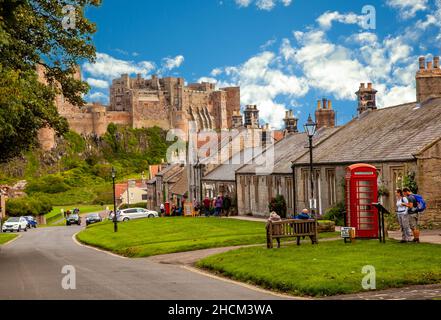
pixel 361 85
pixel 422 61
pixel 319 104
pixel 370 86
pixel 436 62
pixel 429 65
pixel 329 104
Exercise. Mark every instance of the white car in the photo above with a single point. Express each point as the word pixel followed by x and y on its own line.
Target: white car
pixel 15 224
pixel 135 213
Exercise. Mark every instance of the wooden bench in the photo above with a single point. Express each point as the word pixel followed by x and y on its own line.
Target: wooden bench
pixel 291 229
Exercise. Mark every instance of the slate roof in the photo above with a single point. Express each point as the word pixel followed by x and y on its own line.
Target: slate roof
pixel 391 134
pixel 289 149
pixel 181 185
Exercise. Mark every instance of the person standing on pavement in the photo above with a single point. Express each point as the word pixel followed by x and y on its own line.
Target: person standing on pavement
pixel 413 214
pixel 218 206
pixel 227 205
pixel 207 203
pixel 403 217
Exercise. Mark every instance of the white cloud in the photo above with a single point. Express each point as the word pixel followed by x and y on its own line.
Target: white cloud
pixel 215 72
pixel 109 67
pixel 326 19
pixel 102 84
pixel 243 3
pixel 207 79
pixel 97 96
pixel 263 80
pixel 172 63
pixel 266 5
pixel 408 8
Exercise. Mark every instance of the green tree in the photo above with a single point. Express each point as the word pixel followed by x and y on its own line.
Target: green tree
pixel 278 205
pixel 34 32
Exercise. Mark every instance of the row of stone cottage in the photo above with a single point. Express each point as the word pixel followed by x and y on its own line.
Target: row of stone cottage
pixel 401 141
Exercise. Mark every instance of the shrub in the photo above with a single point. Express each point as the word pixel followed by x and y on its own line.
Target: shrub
pixel 48 184
pixel 28 206
pixel 134 205
pixel 278 205
pixel 336 214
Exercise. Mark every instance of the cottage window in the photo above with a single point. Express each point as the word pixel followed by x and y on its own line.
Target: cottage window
pixel 332 186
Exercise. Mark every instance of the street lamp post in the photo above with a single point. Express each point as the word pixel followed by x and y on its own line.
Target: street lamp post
pixel 115 219
pixel 310 129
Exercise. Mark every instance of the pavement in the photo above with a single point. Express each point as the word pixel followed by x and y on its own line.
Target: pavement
pixel 31 269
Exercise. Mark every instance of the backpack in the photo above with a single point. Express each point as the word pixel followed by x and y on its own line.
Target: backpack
pixel 422 206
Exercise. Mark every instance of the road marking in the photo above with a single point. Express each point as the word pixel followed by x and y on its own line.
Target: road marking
pixel 11 241
pixel 74 238
pixel 245 285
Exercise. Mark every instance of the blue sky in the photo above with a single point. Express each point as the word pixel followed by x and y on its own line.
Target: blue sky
pixel 285 54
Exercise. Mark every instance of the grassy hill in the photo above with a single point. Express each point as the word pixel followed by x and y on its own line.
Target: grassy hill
pixel 78 170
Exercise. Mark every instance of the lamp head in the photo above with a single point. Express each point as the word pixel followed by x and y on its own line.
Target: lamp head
pixel 310 127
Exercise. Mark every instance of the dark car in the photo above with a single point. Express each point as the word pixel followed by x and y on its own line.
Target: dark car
pixel 73 219
pixel 32 223
pixel 93 218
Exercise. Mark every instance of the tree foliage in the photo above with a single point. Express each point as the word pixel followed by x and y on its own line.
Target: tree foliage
pixel 278 205
pixel 32 33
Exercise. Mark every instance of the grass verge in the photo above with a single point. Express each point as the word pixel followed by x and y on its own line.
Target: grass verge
pixel 148 237
pixel 6 237
pixel 330 268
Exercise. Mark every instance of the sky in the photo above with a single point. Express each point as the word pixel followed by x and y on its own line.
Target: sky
pixel 284 54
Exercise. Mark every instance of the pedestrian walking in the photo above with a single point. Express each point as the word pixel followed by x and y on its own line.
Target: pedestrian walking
pixel 162 209
pixel 403 217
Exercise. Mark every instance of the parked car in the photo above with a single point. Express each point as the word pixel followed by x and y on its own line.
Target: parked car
pixel 73 219
pixel 135 213
pixel 32 223
pixel 15 224
pixel 93 218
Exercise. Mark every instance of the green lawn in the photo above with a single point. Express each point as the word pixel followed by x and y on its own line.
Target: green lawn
pixel 330 268
pixel 6 237
pixel 149 237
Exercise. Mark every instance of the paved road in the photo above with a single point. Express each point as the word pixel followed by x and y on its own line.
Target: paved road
pixel 30 268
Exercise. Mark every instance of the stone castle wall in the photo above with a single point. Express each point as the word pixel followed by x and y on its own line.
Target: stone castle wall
pixel 143 103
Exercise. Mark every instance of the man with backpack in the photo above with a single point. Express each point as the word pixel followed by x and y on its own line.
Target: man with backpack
pixel 416 206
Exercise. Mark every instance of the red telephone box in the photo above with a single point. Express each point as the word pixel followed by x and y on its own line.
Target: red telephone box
pixel 361 193
pixel 167 208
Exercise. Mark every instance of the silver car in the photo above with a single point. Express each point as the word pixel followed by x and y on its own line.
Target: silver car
pixel 136 213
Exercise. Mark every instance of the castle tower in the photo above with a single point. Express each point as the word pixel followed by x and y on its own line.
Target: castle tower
pixel 428 79
pixel 366 98
pixel 290 122
pixel 251 117
pixel 99 121
pixel 236 120
pixel 325 115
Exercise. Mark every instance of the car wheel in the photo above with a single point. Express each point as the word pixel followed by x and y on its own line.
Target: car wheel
pixel 19 229
pixel 126 219
pixel 26 229
pixel 151 216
